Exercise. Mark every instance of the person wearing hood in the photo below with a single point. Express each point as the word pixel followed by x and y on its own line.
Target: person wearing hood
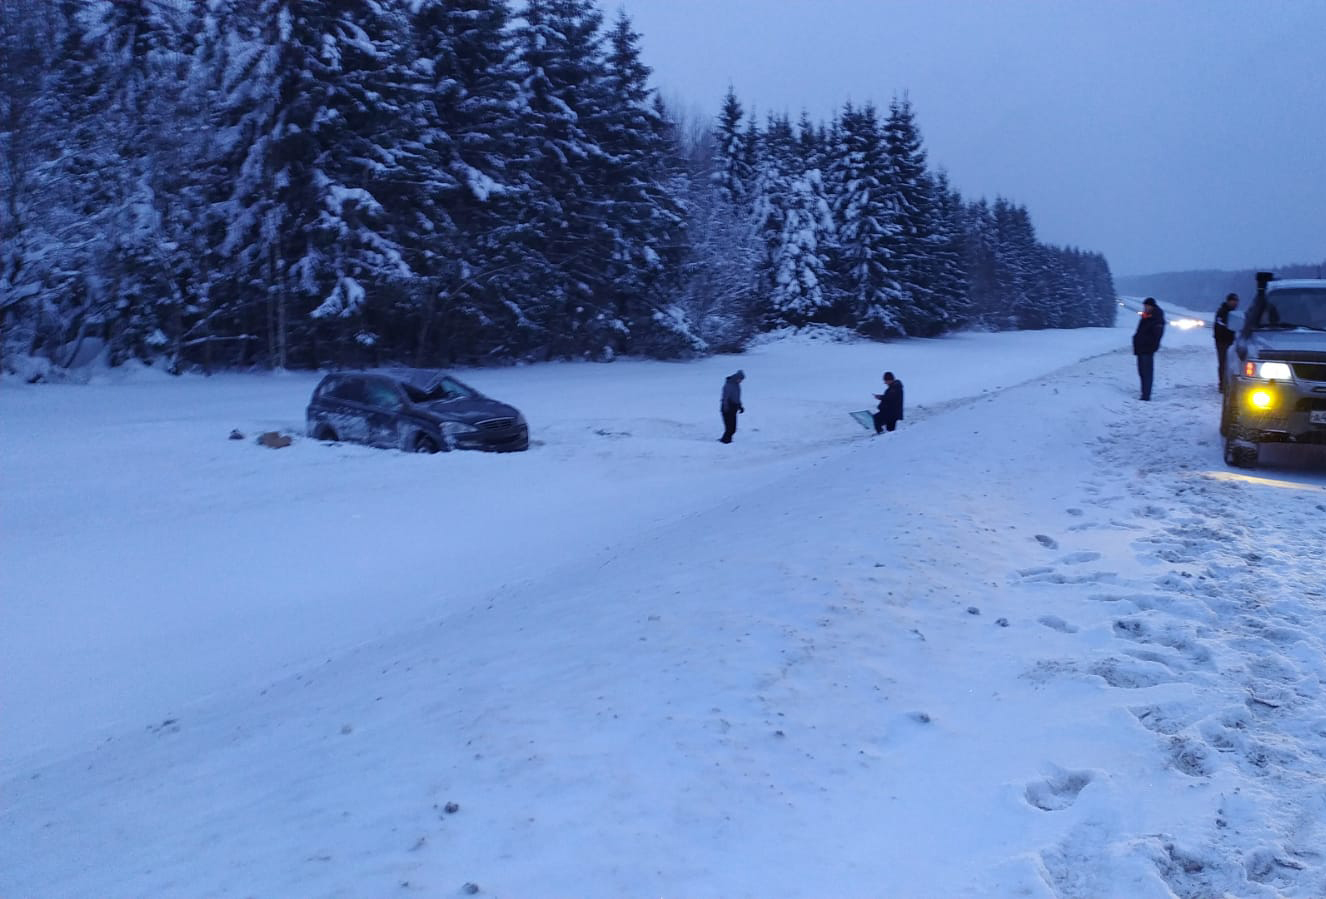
pixel 730 404
pixel 1146 341
pixel 890 404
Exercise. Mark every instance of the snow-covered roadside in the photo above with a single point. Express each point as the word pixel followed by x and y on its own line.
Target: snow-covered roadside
pixel 166 562
pixel 1036 643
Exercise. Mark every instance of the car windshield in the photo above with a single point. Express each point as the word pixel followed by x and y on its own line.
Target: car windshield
pixel 446 388
pixel 1294 308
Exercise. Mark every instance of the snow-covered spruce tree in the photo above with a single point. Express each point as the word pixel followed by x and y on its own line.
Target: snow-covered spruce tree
pixel 948 276
pixel 980 264
pixel 560 57
pixel 320 143
pixel 138 45
pixel 923 312
pixel 801 292
pixel 860 172
pixel 1017 266
pixel 733 173
pixel 27 43
pixel 716 281
pixel 466 247
pixel 645 218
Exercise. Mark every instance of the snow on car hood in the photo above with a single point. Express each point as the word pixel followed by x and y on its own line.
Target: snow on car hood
pixel 469 410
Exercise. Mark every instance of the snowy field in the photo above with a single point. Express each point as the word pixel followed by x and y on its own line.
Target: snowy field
pixel 1038 642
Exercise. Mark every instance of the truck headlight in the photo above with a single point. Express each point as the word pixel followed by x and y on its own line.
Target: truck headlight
pixel 1269 371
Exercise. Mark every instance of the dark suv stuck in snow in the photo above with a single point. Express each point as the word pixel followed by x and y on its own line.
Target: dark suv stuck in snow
pixel 1276 383
pixel 412 410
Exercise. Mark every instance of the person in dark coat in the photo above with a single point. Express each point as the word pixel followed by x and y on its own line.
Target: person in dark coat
pixel 1146 341
pixel 890 404
pixel 730 404
pixel 1224 335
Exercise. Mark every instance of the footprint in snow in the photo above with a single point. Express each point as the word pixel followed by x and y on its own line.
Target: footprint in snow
pixel 1055 623
pixel 1058 791
pixel 1047 542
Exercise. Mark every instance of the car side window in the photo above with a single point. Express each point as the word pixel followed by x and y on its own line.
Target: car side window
pixel 381 395
pixel 348 389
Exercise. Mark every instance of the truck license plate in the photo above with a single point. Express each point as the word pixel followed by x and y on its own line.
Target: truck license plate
pixel 1318 417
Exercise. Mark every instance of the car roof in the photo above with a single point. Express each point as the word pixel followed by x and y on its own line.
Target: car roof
pixel 422 378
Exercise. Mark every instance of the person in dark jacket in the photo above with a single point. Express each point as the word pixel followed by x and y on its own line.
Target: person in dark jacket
pixel 1146 341
pixel 730 404
pixel 890 404
pixel 1224 335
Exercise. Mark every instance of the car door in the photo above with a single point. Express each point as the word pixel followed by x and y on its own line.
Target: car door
pixel 383 403
pixel 346 409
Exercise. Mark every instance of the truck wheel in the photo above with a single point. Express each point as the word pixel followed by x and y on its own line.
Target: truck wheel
pixel 1241 449
pixel 1240 455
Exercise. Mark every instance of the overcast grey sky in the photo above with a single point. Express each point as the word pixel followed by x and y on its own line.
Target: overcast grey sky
pixel 1168 135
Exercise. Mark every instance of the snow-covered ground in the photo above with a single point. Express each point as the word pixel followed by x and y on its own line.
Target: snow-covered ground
pixel 1037 642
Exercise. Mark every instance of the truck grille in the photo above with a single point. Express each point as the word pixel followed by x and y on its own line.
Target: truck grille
pixel 1307 371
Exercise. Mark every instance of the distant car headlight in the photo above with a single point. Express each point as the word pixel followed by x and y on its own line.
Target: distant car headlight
pixel 1270 371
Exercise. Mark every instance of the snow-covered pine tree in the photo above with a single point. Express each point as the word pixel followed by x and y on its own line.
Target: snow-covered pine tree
pixel 467 244
pixel 733 173
pixel 559 48
pixel 1017 267
pixel 138 45
pixel 27 40
pixel 922 311
pixel 866 222
pixel 645 219
pixel 948 276
pixel 980 263
pixel 320 142
pixel 796 224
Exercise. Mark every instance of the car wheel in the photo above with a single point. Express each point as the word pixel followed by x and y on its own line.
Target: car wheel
pixel 325 432
pixel 425 444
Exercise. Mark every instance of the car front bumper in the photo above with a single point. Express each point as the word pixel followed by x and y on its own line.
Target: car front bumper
pixel 1295 413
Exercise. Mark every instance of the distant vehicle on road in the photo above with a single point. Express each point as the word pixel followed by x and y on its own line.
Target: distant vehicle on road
pixel 1276 378
pixel 413 410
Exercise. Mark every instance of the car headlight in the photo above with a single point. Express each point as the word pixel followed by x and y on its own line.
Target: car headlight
pixel 1270 371
pixel 457 428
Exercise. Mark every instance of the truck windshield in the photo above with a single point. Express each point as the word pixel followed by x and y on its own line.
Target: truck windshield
pixel 1294 308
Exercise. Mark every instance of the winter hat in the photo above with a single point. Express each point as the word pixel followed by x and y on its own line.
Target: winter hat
pixel 1149 301
pixel 740 375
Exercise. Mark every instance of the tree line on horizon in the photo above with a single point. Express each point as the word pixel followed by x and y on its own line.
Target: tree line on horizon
pixel 313 183
pixel 1206 288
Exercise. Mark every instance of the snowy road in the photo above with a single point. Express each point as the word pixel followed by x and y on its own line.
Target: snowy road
pixel 1037 642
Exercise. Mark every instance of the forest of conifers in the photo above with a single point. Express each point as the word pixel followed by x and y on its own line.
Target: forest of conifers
pixel 205 184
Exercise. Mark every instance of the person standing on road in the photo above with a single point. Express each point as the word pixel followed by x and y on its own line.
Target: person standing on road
pixel 890 404
pixel 1146 341
pixel 1224 335
pixel 730 404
